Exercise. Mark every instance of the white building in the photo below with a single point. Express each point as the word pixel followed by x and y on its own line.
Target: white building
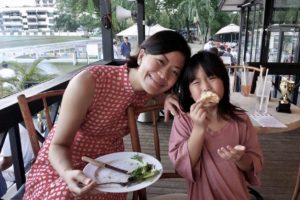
pixel 38 18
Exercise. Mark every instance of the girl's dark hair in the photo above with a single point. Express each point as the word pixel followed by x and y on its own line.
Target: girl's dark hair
pixel 161 43
pixel 213 66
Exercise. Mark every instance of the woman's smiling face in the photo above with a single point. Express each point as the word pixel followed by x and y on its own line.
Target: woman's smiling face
pixel 158 73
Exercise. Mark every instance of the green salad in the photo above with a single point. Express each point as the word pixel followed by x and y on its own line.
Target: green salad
pixel 143 172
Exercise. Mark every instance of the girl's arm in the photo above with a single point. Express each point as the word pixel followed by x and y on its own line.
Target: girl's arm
pixel 76 100
pixel 245 163
pixel 195 144
pixel 186 143
pixel 196 140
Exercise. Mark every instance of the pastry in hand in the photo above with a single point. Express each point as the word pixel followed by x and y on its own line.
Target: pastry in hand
pixel 209 97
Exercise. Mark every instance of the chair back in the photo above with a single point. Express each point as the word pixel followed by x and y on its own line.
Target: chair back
pixel 42 101
pixel 132 113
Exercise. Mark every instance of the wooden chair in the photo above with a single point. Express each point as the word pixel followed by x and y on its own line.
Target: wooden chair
pixel 42 102
pixel 233 75
pixel 136 146
pixel 297 186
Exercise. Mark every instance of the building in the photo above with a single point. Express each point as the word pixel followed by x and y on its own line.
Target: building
pixel 26 19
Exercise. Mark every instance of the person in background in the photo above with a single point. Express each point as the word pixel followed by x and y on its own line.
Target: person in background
pixel 6 164
pixel 209 44
pixel 116 50
pixel 93 117
pixel 228 53
pixel 214 146
pixel 214 50
pixel 125 48
pixel 221 50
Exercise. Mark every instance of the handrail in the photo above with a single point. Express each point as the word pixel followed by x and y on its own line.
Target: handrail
pixel 9 109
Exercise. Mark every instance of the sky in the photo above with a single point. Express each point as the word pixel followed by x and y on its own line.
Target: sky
pixel 16 3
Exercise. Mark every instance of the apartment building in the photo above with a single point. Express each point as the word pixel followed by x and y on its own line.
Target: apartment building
pixel 38 18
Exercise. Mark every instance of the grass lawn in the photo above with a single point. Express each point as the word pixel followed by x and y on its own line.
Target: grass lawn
pixel 19 41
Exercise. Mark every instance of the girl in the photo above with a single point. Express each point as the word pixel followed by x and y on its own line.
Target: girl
pixel 93 119
pixel 213 145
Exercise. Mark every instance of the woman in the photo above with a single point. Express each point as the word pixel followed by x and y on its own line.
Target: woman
pixel 93 118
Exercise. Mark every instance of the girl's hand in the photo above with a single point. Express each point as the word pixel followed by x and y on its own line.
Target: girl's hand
pixel 233 154
pixel 198 115
pixel 171 105
pixel 78 183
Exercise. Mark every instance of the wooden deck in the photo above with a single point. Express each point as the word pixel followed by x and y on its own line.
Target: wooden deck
pixel 281 160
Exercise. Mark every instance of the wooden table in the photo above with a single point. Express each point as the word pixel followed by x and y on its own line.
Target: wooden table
pixel 291 120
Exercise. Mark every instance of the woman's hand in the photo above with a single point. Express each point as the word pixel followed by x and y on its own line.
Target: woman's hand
pixel 171 105
pixel 78 183
pixel 233 154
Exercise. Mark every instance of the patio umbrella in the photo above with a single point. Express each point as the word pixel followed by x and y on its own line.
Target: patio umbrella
pixel 132 31
pixel 231 28
pixel 156 28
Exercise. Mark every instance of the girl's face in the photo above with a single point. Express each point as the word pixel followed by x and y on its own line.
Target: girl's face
pixel 158 73
pixel 203 83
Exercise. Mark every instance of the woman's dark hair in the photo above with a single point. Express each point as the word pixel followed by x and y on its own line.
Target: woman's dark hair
pixel 212 66
pixel 161 43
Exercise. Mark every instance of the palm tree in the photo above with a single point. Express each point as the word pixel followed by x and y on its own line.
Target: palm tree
pixel 27 76
pixel 202 11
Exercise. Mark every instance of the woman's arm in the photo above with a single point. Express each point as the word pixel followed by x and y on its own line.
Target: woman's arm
pixel 76 101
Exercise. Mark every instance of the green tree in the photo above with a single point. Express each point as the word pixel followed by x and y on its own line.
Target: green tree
pixel 89 22
pixel 66 22
pixel 79 6
pixel 27 75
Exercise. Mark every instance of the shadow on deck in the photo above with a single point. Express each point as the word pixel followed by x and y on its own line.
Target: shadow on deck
pixel 281 160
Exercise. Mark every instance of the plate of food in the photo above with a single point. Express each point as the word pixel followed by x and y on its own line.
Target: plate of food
pixel 142 171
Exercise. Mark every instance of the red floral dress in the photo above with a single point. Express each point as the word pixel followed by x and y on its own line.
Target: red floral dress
pixel 101 133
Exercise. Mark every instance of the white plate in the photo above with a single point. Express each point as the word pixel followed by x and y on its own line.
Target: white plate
pixel 121 160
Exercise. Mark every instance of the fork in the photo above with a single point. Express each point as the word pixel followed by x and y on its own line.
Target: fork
pixel 123 184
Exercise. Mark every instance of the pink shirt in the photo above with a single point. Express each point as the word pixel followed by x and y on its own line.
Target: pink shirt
pixel 213 177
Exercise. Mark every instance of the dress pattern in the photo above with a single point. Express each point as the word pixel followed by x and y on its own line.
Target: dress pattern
pixel 101 133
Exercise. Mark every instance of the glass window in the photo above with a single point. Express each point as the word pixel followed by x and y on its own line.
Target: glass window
pixel 273 47
pixel 252 47
pixel 290 41
pixel 243 38
pixel 286 12
pixel 286 3
pixel 250 35
pixel 257 36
